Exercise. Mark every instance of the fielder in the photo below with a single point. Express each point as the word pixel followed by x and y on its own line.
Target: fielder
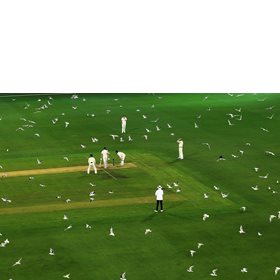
pixel 122 156
pixel 105 155
pixel 91 163
pixel 181 143
pixel 123 121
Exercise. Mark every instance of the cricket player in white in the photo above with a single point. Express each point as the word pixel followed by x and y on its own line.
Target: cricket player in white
pixel 105 155
pixel 121 155
pixel 181 143
pixel 159 198
pixel 123 120
pixel 91 163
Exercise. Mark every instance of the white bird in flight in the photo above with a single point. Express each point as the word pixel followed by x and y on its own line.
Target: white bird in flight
pixel 205 216
pixel 65 217
pixel 88 226
pixel 145 136
pixel 277 269
pixel 207 144
pixel 229 123
pixel 17 262
pixel 38 161
pixel 199 245
pixel 169 126
pixel 144 117
pixel 111 233
pixel 157 128
pixel 216 188
pixel 147 230
pixel 67 276
pixel 271 217
pixel 51 252
pixel 192 252
pixel 241 230
pixel 224 195
pixel 66 124
pixel 83 146
pixel 256 169
pixel 270 117
pixel 114 136
pixel 37 134
pixel 148 130
pixel 69 227
pixel 270 153
pixel 264 129
pixel 244 270
pixel 196 125
pixel 66 158
pixel 214 272
pixel 190 269
pixel 255 188
pixel 243 208
pixel 264 177
pixel 129 138
pixel 123 276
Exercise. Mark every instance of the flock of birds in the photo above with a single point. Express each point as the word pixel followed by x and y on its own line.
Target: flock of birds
pixel 232 119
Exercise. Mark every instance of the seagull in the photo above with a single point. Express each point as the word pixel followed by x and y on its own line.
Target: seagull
pixel 259 234
pixel 66 124
pixel 207 144
pixel 121 139
pixel 192 252
pixel 256 169
pixel 1 166
pixel 51 252
pixel 270 108
pixel 229 123
pixel 205 216
pixel 129 138
pixel 230 94
pixel 74 107
pixel 169 187
pixel 241 230
pixel 66 158
pixel 68 200
pixel 271 117
pixel 37 134
pixel 38 161
pixel 234 156
pixel 123 276
pixel 224 195
pixel 270 153
pixel 18 262
pixel 190 269
pixel 199 245
pixel 244 270
pixel 20 128
pixel 255 188
pixel 155 120
pixel 69 227
pixel 111 233
pixel 195 125
pixel 169 126
pixel 264 177
pixel 144 117
pixel 88 226
pixel 240 118
pixel 264 129
pixel 243 208
pixel 205 195
pixel 157 128
pixel 67 276
pixel 146 137
pixel 65 217
pixel 205 98
pixel 278 214
pixel 216 188
pixel 231 115
pixel 271 217
pixel 93 185
pixel 147 231
pixel 238 110
pixel 214 272
pixel 110 192
pixel 248 144
pixel 92 193
pixel 91 199
pixel 277 268
pixel 148 130
pixel 198 117
pixel 114 136
pixel 42 185
pixel 241 152
pixel 238 95
pixel 175 184
pixel 83 146
pixel 94 140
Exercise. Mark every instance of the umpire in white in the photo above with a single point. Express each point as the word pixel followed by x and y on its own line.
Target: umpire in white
pixel 159 198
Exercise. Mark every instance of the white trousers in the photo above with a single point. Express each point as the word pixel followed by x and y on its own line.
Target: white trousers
pixel 123 127
pixel 181 153
pixel 94 167
pixel 105 162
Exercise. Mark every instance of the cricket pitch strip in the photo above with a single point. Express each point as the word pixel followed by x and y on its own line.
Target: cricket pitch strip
pixel 70 169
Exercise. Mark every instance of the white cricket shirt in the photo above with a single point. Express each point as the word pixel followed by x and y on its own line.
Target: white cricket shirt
pixel 121 155
pixel 159 194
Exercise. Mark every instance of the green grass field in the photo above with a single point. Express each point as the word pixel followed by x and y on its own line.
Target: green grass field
pixel 33 221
